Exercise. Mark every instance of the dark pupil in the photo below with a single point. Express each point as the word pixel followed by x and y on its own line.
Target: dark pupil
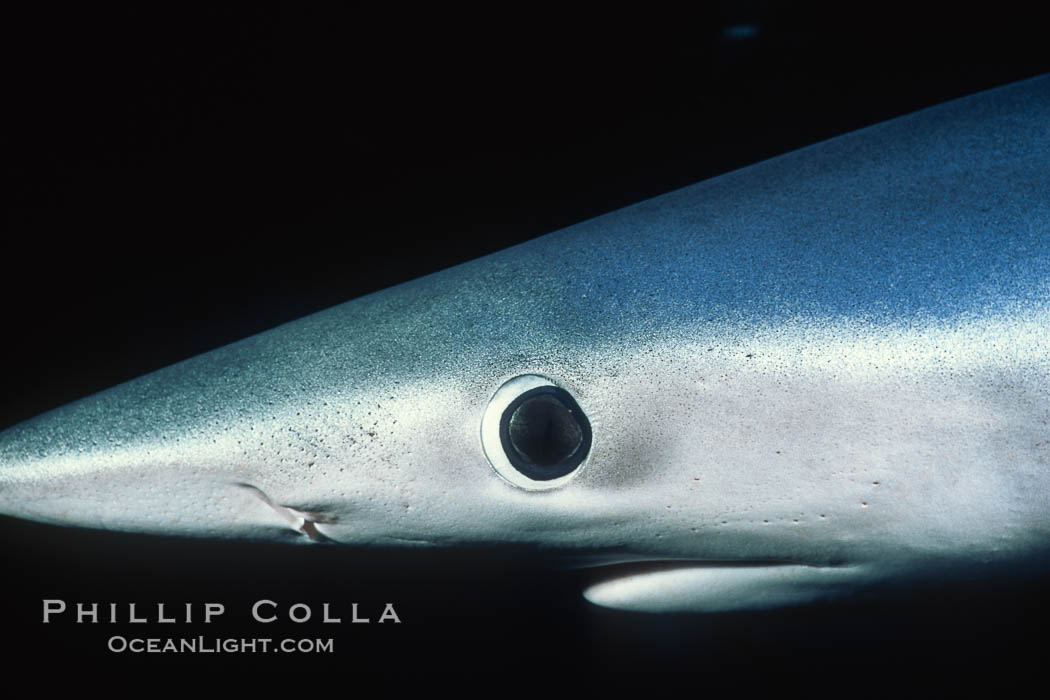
pixel 544 431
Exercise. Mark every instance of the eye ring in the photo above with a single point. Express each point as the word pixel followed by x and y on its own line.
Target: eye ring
pixel 534 433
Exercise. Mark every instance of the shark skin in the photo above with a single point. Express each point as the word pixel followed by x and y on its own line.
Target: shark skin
pixel 822 373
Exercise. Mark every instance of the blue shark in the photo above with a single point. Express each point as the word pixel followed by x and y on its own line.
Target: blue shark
pixel 822 373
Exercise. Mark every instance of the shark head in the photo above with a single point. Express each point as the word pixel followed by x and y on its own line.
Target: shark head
pixel 819 373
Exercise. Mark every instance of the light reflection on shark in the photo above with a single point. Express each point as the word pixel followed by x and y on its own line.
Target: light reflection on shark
pixel 825 371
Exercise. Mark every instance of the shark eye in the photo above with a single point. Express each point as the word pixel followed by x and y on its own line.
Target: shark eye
pixel 534 433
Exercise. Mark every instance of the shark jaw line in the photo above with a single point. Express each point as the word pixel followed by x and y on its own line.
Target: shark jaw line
pixel 632 567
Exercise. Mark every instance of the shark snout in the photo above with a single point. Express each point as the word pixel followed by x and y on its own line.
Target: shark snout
pixel 162 456
pixel 143 489
pixel 114 461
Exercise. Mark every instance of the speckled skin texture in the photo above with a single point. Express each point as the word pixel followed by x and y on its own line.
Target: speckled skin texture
pixel 837 359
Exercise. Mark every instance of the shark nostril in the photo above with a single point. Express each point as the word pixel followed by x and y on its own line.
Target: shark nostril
pixel 302 521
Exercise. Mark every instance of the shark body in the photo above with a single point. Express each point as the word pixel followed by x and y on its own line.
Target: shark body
pixel 826 371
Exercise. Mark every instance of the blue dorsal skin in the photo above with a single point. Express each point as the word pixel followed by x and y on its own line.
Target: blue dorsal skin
pixel 823 372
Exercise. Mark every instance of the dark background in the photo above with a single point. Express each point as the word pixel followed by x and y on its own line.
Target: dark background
pixel 174 180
